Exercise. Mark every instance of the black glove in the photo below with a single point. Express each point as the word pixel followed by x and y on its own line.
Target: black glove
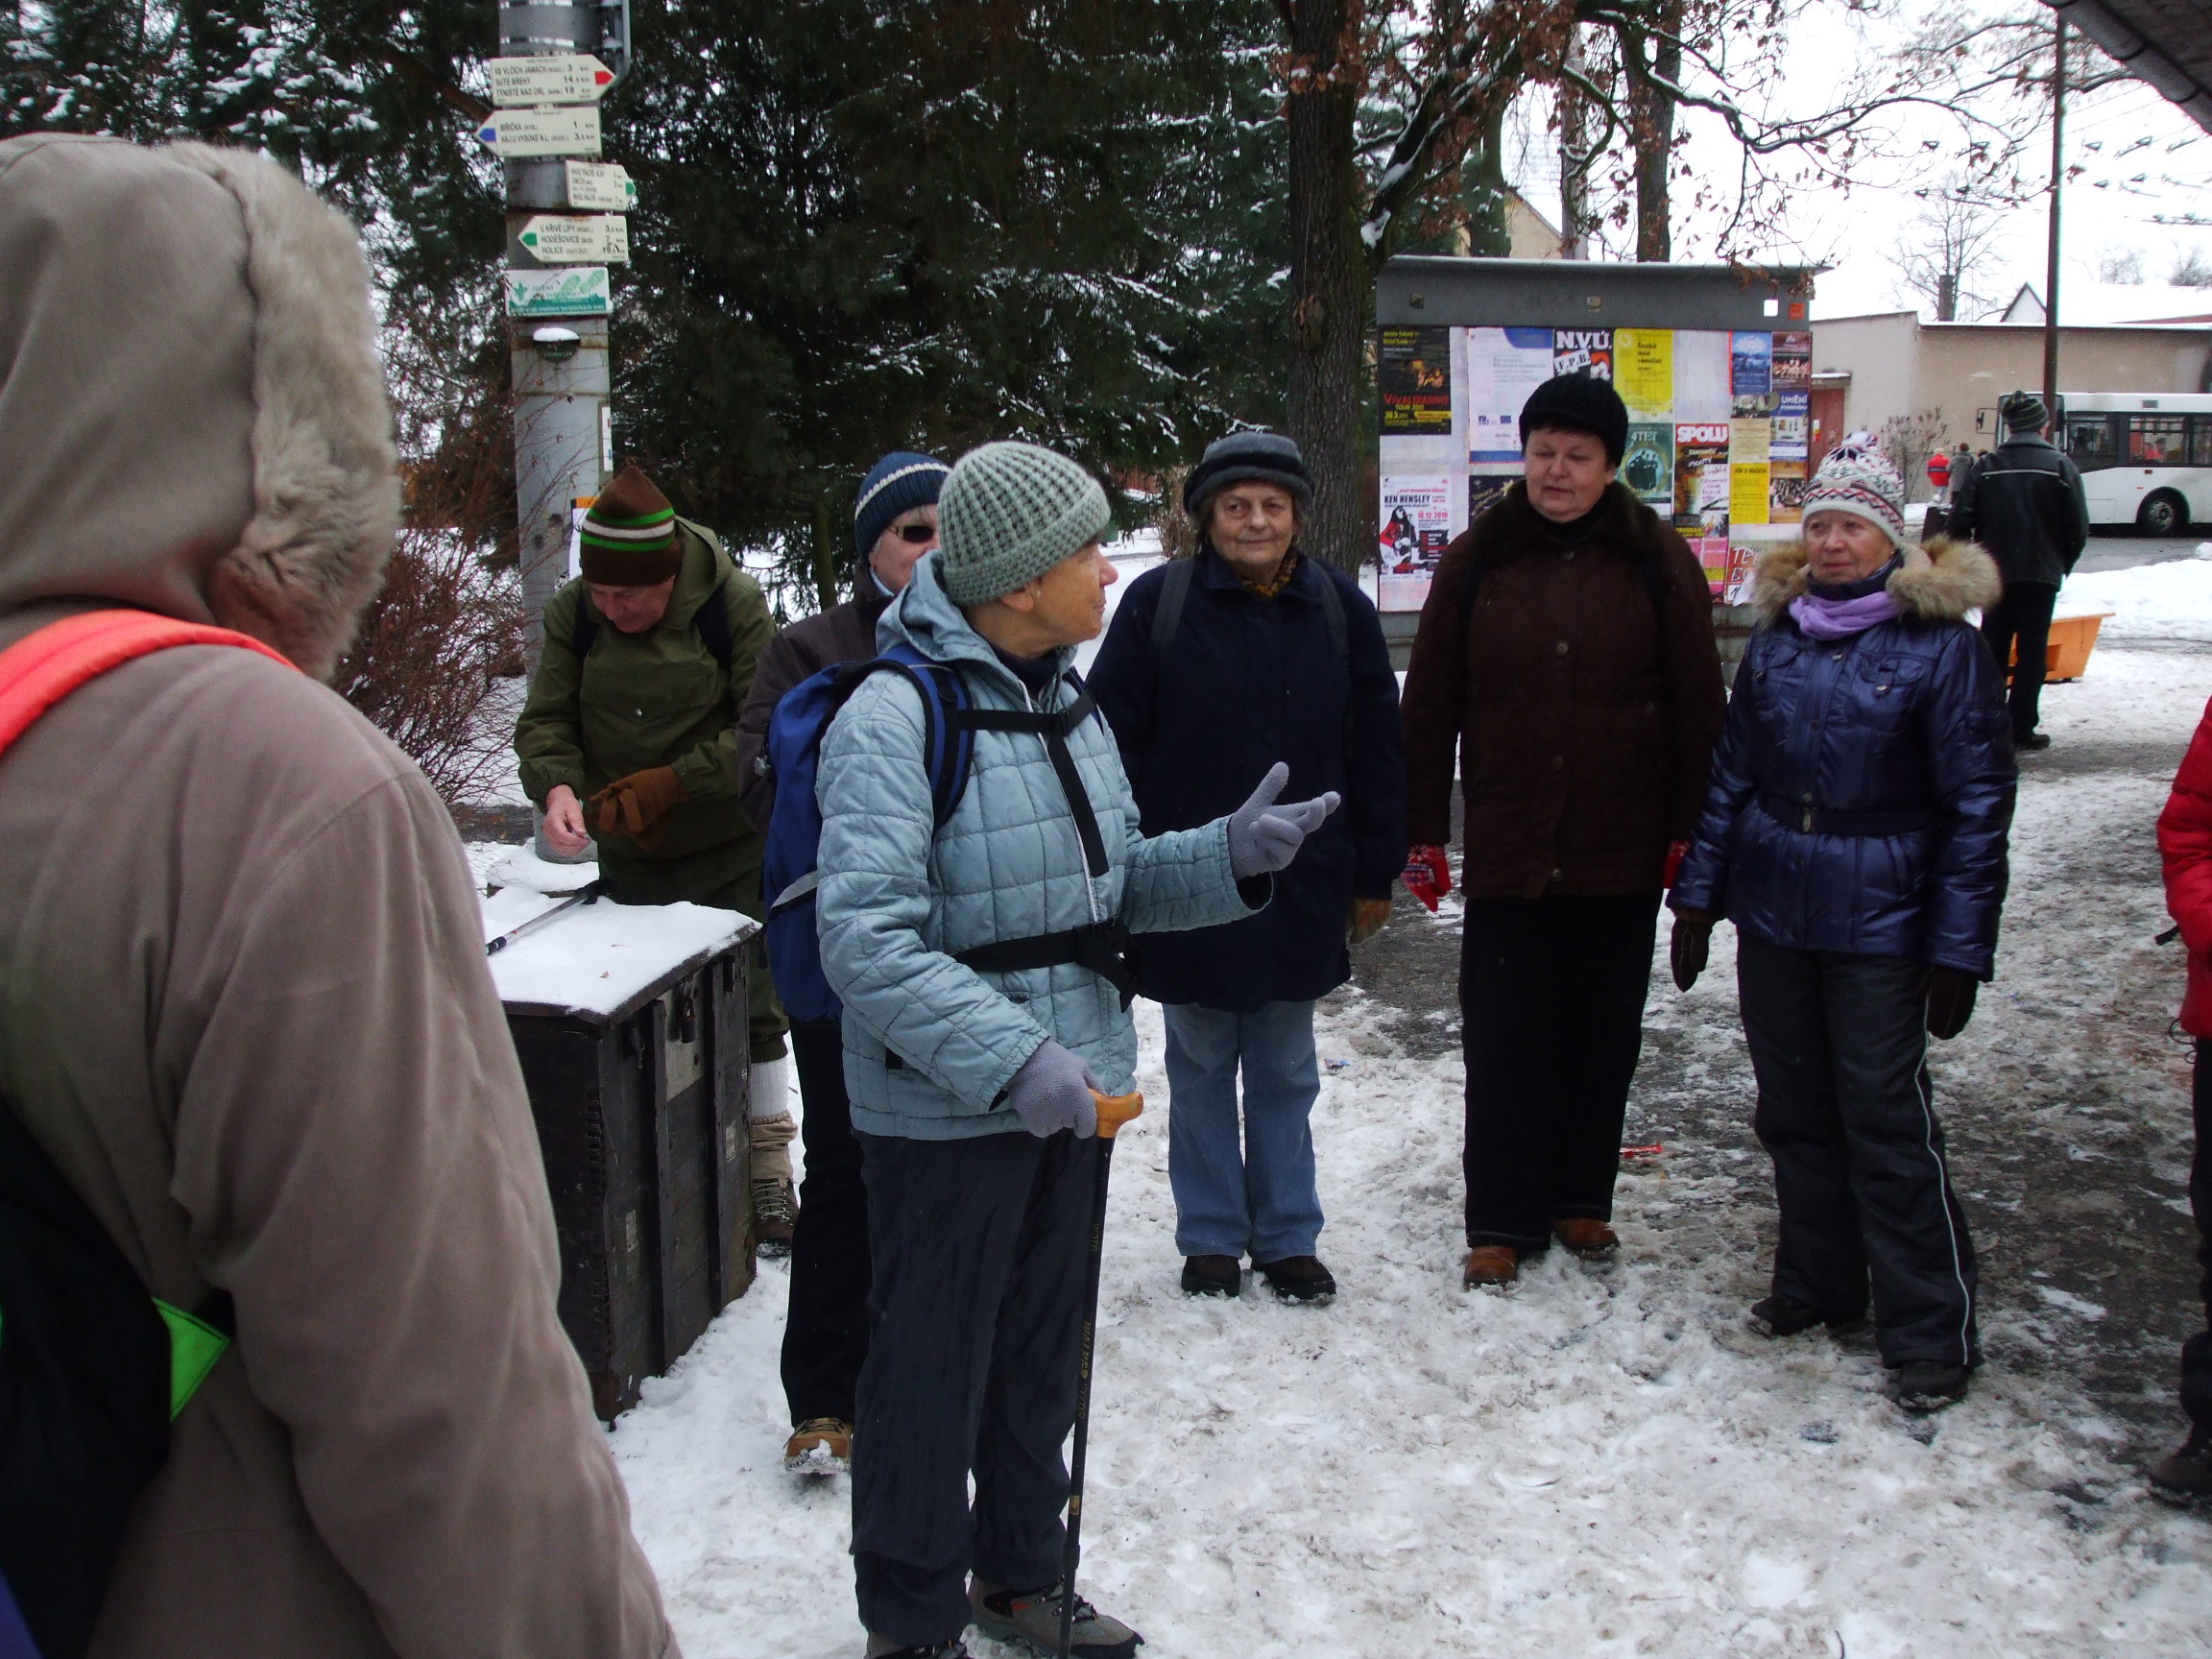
pixel 1950 1001
pixel 1690 943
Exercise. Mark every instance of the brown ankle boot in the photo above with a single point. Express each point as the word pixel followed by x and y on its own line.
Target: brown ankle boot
pixel 1592 1240
pixel 1491 1265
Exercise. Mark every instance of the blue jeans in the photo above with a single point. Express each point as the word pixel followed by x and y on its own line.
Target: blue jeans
pixel 1252 1193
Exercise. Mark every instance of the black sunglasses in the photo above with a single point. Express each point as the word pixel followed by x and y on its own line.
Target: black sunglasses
pixel 916 534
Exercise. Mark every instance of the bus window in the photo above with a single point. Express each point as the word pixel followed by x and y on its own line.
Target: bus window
pixel 2157 440
pixel 2200 439
pixel 2089 441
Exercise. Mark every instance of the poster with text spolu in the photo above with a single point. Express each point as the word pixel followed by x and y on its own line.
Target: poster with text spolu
pixel 1503 366
pixel 1701 478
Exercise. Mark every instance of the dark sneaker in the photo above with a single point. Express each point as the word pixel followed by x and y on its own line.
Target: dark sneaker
pixel 775 1206
pixel 820 1446
pixel 2186 1476
pixel 1211 1276
pixel 2033 742
pixel 1299 1279
pixel 1787 1316
pixel 1032 1618
pixel 1925 1385
pixel 878 1648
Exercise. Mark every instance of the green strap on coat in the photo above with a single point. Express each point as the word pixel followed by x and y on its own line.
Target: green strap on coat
pixel 194 1348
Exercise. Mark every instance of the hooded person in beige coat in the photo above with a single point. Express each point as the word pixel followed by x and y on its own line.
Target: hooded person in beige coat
pixel 245 1002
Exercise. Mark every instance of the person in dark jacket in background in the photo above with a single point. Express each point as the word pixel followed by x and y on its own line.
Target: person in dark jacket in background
pixel 2023 502
pixel 2185 842
pixel 1855 833
pixel 825 1330
pixel 1565 660
pixel 1271 655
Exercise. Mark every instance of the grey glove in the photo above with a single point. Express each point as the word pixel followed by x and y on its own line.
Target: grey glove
pixel 1265 837
pixel 1053 1091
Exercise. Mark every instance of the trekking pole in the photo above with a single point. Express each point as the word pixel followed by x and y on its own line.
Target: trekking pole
pixel 1114 1111
pixel 588 895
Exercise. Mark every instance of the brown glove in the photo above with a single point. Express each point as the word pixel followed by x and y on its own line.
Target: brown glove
pixel 638 804
pixel 1950 1001
pixel 1368 917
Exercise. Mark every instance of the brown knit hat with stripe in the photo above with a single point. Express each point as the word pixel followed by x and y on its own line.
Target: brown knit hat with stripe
pixel 628 537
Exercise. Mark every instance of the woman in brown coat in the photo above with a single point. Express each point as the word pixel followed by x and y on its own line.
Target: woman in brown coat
pixel 1565 660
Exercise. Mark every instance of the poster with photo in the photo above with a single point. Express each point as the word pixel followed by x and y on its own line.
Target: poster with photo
pixel 1644 372
pixel 1413 373
pixel 1785 492
pixel 1648 463
pixel 1751 363
pixel 1582 351
pixel 1794 360
pixel 1415 525
pixel 1743 559
pixel 1503 366
pixel 1702 375
pixel 1793 425
pixel 1701 474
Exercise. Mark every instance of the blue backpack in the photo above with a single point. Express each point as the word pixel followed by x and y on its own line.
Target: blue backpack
pixel 789 875
pixel 949 722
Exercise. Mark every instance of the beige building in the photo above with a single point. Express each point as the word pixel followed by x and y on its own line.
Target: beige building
pixel 1867 370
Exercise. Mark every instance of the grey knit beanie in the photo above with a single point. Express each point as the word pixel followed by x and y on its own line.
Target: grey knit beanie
pixel 1009 513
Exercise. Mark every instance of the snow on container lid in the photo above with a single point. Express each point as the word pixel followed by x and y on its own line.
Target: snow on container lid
pixel 601 962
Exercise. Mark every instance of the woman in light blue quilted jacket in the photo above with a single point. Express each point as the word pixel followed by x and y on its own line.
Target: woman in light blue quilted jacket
pixel 980 966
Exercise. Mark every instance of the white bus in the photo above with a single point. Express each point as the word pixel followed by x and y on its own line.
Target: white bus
pixel 2145 461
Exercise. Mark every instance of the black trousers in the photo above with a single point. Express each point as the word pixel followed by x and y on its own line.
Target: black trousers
pixel 1840 1047
pixel 2196 1352
pixel 1551 997
pixel 2023 614
pixel 826 1329
pixel 981 1250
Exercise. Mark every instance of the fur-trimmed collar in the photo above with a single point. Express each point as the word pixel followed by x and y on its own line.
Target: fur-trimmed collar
pixel 1939 581
pixel 1513 526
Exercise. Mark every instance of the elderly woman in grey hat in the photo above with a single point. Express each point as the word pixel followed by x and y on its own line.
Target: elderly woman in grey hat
pixel 978 960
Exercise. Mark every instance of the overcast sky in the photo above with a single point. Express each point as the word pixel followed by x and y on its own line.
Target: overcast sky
pixel 2142 158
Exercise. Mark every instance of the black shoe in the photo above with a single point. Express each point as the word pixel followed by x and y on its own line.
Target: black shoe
pixel 1925 1385
pixel 1782 1316
pixel 2032 741
pixel 1299 1279
pixel 1211 1276
pixel 2187 1475
pixel 952 1649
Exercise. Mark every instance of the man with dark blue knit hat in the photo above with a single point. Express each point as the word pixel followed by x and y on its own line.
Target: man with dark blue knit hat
pixel 825 1331
pixel 1216 668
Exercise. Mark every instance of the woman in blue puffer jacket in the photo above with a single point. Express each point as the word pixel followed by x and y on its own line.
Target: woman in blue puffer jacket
pixel 1855 832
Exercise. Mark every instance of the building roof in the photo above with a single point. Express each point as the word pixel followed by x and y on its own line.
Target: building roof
pixel 2166 43
pixel 2112 304
pixel 2034 323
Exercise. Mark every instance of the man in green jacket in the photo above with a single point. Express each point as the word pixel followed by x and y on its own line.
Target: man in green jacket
pixel 630 735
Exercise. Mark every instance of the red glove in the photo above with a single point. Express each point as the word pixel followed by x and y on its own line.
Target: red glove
pixel 1427 875
pixel 1676 851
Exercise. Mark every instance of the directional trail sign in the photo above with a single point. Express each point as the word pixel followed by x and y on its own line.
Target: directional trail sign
pixel 569 79
pixel 601 187
pixel 577 239
pixel 572 131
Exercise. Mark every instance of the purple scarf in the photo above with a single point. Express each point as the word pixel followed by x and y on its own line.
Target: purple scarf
pixel 1841 619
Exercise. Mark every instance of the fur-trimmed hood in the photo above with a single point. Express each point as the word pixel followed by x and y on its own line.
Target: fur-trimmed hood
pixel 1940 580
pixel 192 412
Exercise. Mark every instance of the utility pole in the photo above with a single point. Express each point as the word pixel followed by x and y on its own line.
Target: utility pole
pixel 2051 262
pixel 1574 157
pixel 565 223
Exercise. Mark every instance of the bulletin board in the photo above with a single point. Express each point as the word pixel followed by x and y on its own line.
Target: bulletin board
pixel 1718 416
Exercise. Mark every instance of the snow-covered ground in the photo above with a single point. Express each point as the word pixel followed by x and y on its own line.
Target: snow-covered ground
pixel 1603 1462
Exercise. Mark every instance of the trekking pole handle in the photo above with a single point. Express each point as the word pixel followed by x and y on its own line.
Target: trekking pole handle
pixel 1116 1110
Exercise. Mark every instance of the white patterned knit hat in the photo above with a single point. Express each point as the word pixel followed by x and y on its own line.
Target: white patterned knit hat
pixel 1858 478
pixel 1010 511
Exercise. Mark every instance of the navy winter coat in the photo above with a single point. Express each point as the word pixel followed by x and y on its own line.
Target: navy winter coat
pixel 1862 794
pixel 1249 681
